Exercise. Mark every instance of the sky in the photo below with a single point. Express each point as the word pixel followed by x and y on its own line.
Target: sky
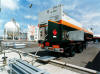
pixel 87 12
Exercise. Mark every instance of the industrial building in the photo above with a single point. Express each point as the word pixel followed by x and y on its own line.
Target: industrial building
pixel 33 33
pixel 23 36
pixel 12 30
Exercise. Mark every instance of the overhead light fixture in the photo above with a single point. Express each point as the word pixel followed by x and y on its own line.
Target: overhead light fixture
pixel 30 6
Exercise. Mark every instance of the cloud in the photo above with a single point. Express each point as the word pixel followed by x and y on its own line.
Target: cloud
pixel 35 2
pixel 31 17
pixel 10 4
pixel 91 20
pixel 71 6
pixel 91 17
pixel 45 3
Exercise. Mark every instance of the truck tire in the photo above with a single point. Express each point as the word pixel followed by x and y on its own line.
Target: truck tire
pixel 69 51
pixel 80 48
pixel 66 54
pixel 72 51
pixel 84 46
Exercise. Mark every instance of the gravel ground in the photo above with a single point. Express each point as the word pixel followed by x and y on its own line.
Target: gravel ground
pixel 89 58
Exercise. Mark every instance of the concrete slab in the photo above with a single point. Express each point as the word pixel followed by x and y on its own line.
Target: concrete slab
pixel 46 58
pixel 56 70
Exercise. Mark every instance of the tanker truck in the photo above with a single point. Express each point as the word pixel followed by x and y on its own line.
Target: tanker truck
pixel 60 33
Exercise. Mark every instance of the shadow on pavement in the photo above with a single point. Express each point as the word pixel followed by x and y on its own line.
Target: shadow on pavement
pixel 47 53
pixel 41 53
pixel 95 64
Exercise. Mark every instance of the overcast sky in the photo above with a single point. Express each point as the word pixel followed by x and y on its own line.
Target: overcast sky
pixel 87 12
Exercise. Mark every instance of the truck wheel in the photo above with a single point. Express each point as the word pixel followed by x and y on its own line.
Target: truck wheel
pixel 80 49
pixel 66 53
pixel 72 51
pixel 69 51
pixel 84 46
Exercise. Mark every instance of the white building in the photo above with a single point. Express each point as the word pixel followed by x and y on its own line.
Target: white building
pixel 36 35
pixel 33 33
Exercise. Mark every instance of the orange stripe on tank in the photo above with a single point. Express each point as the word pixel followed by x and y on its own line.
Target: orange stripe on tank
pixel 69 25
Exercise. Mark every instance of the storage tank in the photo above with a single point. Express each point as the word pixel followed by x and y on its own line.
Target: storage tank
pixel 12 29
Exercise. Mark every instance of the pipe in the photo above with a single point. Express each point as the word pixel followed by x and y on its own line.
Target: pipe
pixel 27 53
pixel 76 67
